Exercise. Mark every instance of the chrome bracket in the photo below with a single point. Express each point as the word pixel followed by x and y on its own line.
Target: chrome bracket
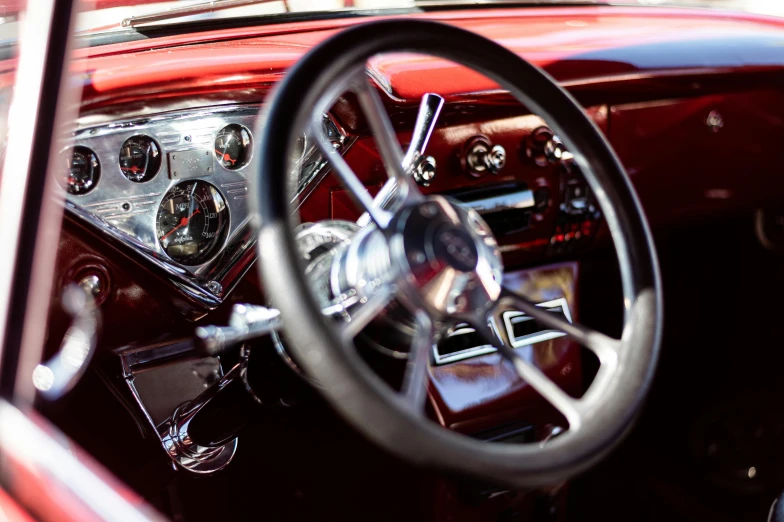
pixel 180 446
pixel 172 429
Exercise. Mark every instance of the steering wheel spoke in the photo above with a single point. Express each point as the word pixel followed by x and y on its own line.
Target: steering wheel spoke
pixel 498 336
pixel 602 345
pixel 355 187
pixel 363 314
pixel 414 389
pixel 429 109
pixel 385 138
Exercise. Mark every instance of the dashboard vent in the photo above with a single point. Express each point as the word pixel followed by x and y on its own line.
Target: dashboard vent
pixel 464 343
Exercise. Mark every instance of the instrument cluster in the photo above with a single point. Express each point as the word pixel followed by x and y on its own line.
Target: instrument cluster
pixel 173 188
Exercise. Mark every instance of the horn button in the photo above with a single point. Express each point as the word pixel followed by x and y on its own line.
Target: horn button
pixel 448 256
pixel 454 247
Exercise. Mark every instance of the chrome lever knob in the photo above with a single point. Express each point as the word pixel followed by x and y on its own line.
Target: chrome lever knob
pixel 247 322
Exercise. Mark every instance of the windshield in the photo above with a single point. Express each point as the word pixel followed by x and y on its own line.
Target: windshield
pixel 101 16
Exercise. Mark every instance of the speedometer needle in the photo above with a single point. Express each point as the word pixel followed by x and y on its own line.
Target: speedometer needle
pixel 183 222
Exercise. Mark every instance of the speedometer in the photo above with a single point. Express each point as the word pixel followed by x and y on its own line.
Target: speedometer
pixel 192 223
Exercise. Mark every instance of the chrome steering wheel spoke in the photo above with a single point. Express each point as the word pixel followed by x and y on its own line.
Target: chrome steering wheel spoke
pixel 355 187
pixel 429 109
pixel 415 380
pixel 385 138
pixel 400 185
pixel 494 329
pixel 602 345
pixel 413 392
pixel 498 336
pixel 364 314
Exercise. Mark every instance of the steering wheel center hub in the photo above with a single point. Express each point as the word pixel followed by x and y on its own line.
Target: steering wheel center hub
pixel 455 247
pixel 447 255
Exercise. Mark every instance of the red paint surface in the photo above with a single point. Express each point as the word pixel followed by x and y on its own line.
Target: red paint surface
pixel 573 43
pixel 10 511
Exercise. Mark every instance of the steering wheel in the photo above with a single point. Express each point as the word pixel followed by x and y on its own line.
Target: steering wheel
pixel 442 264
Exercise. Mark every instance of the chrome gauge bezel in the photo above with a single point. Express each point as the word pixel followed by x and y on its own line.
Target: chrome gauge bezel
pixel 154 170
pixel 219 243
pixel 68 153
pixel 125 212
pixel 249 159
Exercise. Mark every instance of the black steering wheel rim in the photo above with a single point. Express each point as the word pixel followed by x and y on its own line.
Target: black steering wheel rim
pixel 367 402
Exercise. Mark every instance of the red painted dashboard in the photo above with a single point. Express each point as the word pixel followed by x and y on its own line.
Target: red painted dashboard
pixel 690 100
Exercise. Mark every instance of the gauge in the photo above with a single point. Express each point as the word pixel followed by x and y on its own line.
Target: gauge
pixel 140 158
pixel 192 223
pixel 233 146
pixel 83 170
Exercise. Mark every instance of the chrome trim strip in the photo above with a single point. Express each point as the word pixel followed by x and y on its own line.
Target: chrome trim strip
pixel 510 319
pixel 189 10
pixel 513 201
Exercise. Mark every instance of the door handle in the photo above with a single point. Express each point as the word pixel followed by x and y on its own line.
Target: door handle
pixel 58 375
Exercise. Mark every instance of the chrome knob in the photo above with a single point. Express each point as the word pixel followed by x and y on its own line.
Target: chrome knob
pixel 715 121
pixel 496 160
pixel 481 157
pixel 425 171
pixel 91 284
pixel 543 147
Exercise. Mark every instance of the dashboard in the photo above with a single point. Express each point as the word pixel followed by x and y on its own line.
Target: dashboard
pixel 158 171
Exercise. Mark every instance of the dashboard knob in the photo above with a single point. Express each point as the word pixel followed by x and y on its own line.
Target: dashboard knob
pixel 543 147
pixel 496 160
pixel 425 171
pixel 92 285
pixel 481 156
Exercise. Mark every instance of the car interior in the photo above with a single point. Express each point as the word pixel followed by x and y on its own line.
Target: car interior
pixel 445 261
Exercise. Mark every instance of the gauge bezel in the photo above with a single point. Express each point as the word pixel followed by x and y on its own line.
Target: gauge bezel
pixel 218 247
pixel 69 151
pixel 160 163
pixel 248 158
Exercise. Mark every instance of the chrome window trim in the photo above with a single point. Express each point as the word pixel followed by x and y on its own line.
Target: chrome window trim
pixel 125 211
pixel 509 321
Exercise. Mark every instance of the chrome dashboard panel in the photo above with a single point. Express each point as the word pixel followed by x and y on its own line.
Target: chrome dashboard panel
pixel 124 212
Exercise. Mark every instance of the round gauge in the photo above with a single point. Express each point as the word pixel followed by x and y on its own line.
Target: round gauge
pixel 140 158
pixel 83 170
pixel 233 146
pixel 192 223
